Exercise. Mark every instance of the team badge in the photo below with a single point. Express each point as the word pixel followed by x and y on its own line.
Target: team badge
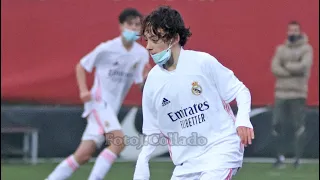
pixel 196 88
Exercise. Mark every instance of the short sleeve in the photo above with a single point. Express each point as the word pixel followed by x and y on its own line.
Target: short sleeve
pixel 140 69
pixel 227 83
pixel 150 124
pixel 89 61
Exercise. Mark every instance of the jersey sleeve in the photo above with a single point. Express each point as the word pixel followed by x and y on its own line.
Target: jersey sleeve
pixel 89 61
pixel 142 171
pixel 150 130
pixel 228 85
pixel 140 69
pixel 230 88
pixel 150 124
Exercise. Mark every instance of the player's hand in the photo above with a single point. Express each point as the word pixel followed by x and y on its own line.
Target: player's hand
pixel 85 96
pixel 246 135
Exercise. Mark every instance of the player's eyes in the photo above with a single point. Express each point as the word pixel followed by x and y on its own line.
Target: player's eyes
pixel 155 40
pixel 152 40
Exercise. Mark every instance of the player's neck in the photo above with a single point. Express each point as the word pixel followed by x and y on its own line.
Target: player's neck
pixel 172 63
pixel 127 45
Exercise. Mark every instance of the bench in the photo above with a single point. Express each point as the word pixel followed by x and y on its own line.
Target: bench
pixel 30 142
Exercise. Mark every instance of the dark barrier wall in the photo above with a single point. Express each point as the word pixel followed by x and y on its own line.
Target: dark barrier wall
pixel 61 128
pixel 41 41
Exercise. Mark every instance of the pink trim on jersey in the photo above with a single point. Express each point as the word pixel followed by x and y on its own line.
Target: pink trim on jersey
pixel 98 93
pixel 98 120
pixel 228 109
pixel 71 164
pixel 229 175
pixel 108 156
pixel 169 145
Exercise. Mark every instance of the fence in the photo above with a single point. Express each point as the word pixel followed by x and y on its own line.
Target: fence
pixel 60 130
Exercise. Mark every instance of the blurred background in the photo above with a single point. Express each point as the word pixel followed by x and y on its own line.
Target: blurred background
pixel 42 40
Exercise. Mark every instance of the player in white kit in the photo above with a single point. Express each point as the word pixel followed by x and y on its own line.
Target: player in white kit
pixel 118 63
pixel 187 95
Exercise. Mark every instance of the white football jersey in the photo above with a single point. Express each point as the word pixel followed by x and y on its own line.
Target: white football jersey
pixel 116 69
pixel 190 107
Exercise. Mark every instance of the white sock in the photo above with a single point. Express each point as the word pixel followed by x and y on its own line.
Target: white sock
pixel 102 165
pixel 65 169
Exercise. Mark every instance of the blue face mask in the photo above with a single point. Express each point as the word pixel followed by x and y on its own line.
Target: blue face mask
pixel 130 36
pixel 162 57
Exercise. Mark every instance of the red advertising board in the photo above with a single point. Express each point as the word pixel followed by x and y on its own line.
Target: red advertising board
pixel 41 41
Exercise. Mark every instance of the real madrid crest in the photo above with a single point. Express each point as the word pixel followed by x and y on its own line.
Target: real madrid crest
pixel 196 88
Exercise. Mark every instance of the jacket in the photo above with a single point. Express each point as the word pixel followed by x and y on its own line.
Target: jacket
pixel 291 67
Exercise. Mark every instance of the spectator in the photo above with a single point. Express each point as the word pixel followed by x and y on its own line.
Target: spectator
pixel 291 66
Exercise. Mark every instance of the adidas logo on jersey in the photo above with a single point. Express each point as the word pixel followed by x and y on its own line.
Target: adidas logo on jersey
pixel 165 101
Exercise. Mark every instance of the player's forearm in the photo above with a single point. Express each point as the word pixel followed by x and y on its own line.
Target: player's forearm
pixel 244 107
pixel 142 171
pixel 81 78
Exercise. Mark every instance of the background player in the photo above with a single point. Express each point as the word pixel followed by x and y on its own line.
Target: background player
pixel 188 92
pixel 118 64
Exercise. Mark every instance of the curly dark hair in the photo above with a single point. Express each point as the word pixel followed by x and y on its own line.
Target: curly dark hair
pixel 165 23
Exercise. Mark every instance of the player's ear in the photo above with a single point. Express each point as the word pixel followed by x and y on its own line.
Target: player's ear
pixel 176 39
pixel 121 27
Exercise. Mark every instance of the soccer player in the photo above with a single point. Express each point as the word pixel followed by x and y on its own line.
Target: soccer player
pixel 186 94
pixel 118 64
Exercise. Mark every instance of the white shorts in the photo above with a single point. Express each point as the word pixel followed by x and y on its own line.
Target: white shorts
pixel 101 119
pixel 217 174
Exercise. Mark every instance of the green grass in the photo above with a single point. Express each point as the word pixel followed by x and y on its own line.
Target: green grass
pixel 160 171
